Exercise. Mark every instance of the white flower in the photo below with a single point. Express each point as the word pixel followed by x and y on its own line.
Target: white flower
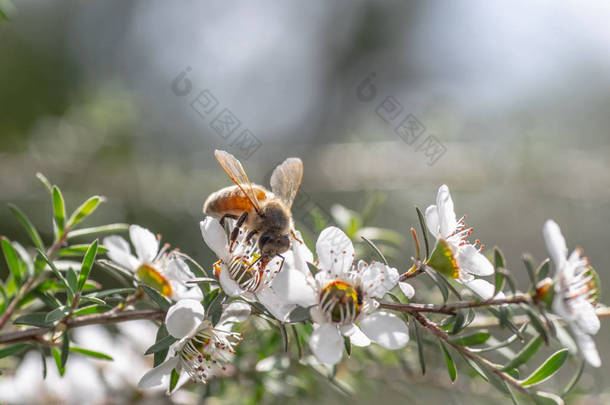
pixel 466 259
pixel 153 266
pixel 575 292
pixel 341 295
pixel 203 350
pixel 240 271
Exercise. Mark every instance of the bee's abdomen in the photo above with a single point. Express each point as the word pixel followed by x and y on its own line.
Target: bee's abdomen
pixel 231 200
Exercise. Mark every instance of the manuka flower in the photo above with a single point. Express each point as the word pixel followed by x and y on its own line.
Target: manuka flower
pixel 575 292
pixel 240 271
pixel 340 296
pixel 203 350
pixel 454 255
pixel 155 267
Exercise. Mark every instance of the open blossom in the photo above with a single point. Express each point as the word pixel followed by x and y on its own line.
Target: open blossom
pixel 203 350
pixel 342 295
pixel 152 265
pixel 240 271
pixel 575 292
pixel 453 254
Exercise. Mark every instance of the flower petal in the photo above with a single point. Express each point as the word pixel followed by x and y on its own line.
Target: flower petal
pixel 446 212
pixel 158 376
pixel 120 252
pixel 386 329
pixel 586 318
pixel 145 243
pixel 229 286
pixel 482 288
pixel 184 317
pixel 587 347
pixel 278 307
pixel 355 335
pixel 470 260
pixel 432 221
pixel 407 289
pixel 335 251
pixel 215 237
pixel 377 279
pixel 237 311
pixel 293 286
pixel 326 344
pixel 555 243
pixel 177 269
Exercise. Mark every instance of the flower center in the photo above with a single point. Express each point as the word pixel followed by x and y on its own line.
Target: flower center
pixel 148 275
pixel 204 355
pixel 341 302
pixel 247 274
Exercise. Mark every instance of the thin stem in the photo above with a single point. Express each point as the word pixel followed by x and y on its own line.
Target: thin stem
pixel 93 319
pixel 431 326
pixel 452 307
pixel 489 321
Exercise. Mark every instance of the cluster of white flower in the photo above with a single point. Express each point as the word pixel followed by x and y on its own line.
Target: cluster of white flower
pixel 342 295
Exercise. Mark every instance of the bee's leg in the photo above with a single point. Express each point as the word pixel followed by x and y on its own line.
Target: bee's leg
pixel 294 236
pixel 235 231
pixel 225 216
pixel 250 235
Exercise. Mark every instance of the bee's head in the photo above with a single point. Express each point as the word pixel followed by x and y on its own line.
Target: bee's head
pixel 272 244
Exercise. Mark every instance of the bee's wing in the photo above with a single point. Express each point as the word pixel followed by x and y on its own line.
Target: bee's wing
pixel 236 172
pixel 286 180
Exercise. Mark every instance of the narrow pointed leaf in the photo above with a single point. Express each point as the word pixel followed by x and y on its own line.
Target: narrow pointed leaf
pixel 88 260
pixel 65 349
pixel 27 225
pixel 91 353
pixel 547 369
pixel 92 309
pixel 472 340
pixel 156 296
pixel 59 211
pixel 424 230
pixel 97 229
pixel 173 380
pixel 12 350
pixel 57 357
pixel 161 345
pixel 85 209
pixel 525 353
pixel 449 361
pixel 420 348
pixel 33 319
pixel 528 261
pixel 543 270
pixel 13 261
pixel 57 273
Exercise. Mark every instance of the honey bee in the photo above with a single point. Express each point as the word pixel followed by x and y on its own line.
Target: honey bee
pixel 265 213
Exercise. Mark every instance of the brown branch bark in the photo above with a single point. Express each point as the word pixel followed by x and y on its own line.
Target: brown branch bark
pixel 93 319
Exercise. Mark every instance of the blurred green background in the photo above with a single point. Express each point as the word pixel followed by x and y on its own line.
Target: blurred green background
pixel 516 93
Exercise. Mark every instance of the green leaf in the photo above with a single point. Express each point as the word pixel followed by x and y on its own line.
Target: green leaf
pixel 45 182
pixel 424 230
pixel 113 291
pixel 59 211
pixel 85 209
pixel 43 359
pixel 475 367
pixel 528 261
pixel 173 380
pixel 57 314
pixel 376 250
pixel 79 250
pixel 65 349
pixel 156 296
pixel 441 286
pixel 72 278
pixel 284 334
pixel 58 274
pixel 85 268
pixel 472 340
pixel 297 339
pixel 92 309
pixel 499 263
pixel 27 225
pixel 97 229
pixel 536 323
pixel 91 353
pixel 500 345
pixel 57 357
pixel 449 361
pixel 215 308
pixel 12 350
pixel 547 369
pixel 13 261
pixel 163 344
pixel 525 353
pixel 298 315
pixel 33 319
pixel 543 270
pixel 160 355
